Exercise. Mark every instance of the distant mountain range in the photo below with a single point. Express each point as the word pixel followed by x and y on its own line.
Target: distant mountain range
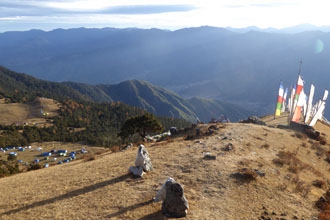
pixel 136 93
pixel 288 30
pixel 241 67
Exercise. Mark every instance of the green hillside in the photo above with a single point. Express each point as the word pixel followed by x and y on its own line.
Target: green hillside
pixel 22 87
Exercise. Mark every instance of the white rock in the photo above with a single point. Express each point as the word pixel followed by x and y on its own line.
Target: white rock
pixel 143 159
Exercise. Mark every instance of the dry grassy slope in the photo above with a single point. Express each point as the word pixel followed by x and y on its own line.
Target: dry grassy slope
pixel 27 113
pixel 101 189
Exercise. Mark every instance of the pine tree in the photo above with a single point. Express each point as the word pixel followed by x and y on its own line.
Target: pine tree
pixel 142 125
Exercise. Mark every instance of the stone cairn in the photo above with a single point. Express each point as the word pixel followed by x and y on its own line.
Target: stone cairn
pixel 142 162
pixel 175 204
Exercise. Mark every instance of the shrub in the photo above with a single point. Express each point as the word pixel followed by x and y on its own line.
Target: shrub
pixel 8 168
pixel 279 162
pixel 324 206
pixel 34 166
pixel 322 140
pixel 190 137
pixel 282 186
pixel 12 157
pixel 319 183
pixel 117 148
pixel 266 146
pixel 293 168
pixel 303 188
pixel 327 157
pixel 244 162
pixel 244 175
pixel 88 157
pixel 295 165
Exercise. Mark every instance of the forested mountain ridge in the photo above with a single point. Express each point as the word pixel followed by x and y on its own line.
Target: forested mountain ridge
pixel 141 94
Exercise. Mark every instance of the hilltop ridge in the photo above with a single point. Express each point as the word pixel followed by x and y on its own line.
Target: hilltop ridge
pixel 259 172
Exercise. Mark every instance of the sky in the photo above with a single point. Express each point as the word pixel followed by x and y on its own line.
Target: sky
pixel 19 15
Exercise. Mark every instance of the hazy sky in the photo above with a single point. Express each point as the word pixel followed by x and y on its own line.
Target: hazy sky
pixel 170 14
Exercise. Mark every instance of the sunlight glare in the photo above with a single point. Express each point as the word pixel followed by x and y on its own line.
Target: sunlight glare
pixel 318 47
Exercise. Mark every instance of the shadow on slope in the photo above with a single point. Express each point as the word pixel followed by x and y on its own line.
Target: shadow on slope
pixel 135 206
pixel 154 216
pixel 71 194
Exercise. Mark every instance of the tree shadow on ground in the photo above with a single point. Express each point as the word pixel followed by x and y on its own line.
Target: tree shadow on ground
pixel 71 194
pixel 129 208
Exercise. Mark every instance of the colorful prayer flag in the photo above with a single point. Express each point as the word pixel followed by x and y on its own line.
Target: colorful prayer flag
pixel 301 101
pixel 279 100
pixel 284 99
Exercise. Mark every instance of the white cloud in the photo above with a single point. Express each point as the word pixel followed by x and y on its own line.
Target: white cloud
pixel 170 14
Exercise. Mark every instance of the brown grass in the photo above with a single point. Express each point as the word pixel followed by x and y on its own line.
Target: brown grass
pixel 18 113
pixel 101 188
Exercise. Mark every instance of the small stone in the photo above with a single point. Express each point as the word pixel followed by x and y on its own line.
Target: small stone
pixel 136 171
pixel 228 147
pixel 209 157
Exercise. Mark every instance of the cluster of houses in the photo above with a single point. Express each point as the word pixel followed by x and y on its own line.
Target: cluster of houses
pixel 43 158
pixel 5 149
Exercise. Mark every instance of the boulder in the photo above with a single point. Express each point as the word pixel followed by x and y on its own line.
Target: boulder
pixel 173 131
pixel 143 160
pixel 174 205
pixel 161 194
pixel 253 120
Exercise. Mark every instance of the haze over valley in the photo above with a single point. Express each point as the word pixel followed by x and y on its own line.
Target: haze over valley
pixel 241 67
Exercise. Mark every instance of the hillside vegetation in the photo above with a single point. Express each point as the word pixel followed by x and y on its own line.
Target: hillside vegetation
pixel 95 124
pixel 259 172
pixel 23 88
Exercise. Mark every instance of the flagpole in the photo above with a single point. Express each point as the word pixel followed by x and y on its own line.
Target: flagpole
pixel 300 67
